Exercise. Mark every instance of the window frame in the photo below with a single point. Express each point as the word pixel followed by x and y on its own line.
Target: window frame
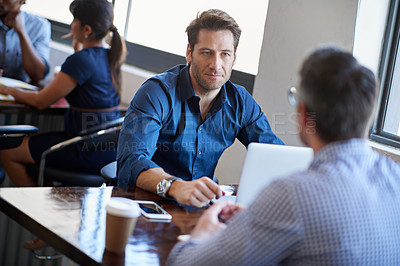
pixel 385 73
pixel 151 59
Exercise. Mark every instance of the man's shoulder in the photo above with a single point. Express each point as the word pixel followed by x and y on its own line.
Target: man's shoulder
pixel 38 28
pixel 238 96
pixel 170 76
pixel 36 20
pixel 167 81
pixel 236 88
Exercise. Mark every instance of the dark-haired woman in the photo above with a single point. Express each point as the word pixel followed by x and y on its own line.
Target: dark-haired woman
pixel 90 81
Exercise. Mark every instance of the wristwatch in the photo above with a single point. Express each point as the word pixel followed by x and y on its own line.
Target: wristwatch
pixel 165 185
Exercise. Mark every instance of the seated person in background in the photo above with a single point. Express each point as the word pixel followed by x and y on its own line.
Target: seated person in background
pixel 180 122
pixel 90 81
pixel 24 43
pixel 343 210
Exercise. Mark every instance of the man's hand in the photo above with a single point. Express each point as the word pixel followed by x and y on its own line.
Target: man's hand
pixel 209 223
pixel 15 20
pixel 197 192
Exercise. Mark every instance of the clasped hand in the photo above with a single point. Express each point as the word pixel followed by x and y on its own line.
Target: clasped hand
pixel 14 20
pixel 197 192
pixel 209 223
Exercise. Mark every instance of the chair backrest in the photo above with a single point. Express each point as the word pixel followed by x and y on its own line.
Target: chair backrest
pixel 107 133
pixel 11 136
pixel 110 124
pixel 109 172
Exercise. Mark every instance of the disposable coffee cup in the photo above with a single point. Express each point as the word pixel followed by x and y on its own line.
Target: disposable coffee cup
pixel 121 219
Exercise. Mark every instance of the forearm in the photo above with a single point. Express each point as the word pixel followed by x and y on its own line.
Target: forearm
pixel 33 64
pixel 23 96
pixel 149 179
pixel 58 88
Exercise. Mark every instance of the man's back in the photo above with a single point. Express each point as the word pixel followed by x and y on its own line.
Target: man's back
pixel 349 207
pixel 344 210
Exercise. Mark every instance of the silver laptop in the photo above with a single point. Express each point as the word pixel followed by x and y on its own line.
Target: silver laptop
pixel 266 162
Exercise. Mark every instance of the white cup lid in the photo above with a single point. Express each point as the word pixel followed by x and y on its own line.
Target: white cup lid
pixel 122 207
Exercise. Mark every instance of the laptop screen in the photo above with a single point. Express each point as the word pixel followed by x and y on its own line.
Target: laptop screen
pixel 266 162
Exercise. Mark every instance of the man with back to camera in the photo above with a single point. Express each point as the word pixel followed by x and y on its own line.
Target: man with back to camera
pixel 343 210
pixel 24 45
pixel 180 122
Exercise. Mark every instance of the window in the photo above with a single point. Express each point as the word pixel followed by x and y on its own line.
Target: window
pixel 155 30
pixel 387 125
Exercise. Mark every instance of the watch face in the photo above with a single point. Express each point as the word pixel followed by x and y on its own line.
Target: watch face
pixel 161 187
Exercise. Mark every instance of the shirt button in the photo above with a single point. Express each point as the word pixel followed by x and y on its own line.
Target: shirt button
pixel 199 152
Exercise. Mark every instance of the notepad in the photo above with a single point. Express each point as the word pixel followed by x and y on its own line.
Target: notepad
pixel 4 97
pixel 16 83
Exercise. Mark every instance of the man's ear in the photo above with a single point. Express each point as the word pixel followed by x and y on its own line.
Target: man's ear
pixel 188 54
pixel 302 114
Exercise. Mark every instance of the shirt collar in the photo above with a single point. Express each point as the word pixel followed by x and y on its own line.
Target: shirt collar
pixel 343 148
pixel 187 91
pixel 3 26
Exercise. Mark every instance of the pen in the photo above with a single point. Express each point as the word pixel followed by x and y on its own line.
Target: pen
pixel 221 219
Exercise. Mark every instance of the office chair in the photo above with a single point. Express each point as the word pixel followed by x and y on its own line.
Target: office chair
pixel 109 171
pixel 104 133
pixel 11 136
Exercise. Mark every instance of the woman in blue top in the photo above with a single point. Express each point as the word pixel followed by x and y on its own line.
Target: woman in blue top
pixel 89 80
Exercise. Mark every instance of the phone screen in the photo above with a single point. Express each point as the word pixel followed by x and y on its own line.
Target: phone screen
pixel 150 208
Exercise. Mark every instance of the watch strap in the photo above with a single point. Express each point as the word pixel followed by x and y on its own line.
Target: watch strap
pixel 164 186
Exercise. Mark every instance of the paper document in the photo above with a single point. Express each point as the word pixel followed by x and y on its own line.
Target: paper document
pixel 16 83
pixel 4 97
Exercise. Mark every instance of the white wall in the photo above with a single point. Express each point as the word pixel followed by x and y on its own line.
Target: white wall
pixel 293 28
pixel 370 29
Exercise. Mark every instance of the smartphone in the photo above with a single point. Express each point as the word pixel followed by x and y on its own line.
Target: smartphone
pixel 152 210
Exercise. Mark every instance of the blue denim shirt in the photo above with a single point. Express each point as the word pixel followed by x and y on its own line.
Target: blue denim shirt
pixel 38 30
pixel 163 128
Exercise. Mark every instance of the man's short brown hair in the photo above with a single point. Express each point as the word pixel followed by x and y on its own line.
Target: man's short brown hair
pixel 216 20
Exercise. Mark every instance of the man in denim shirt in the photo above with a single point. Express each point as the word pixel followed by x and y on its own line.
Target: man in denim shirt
pixel 24 43
pixel 180 122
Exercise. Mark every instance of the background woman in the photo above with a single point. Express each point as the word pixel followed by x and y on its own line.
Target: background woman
pixel 90 81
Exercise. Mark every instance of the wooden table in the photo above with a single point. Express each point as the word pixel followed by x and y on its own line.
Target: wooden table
pixel 9 107
pixel 58 108
pixel 72 220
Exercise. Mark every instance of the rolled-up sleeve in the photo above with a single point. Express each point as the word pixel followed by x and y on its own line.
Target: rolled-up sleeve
pixel 140 131
pixel 39 31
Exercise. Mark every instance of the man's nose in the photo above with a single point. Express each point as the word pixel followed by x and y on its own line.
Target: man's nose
pixel 216 62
